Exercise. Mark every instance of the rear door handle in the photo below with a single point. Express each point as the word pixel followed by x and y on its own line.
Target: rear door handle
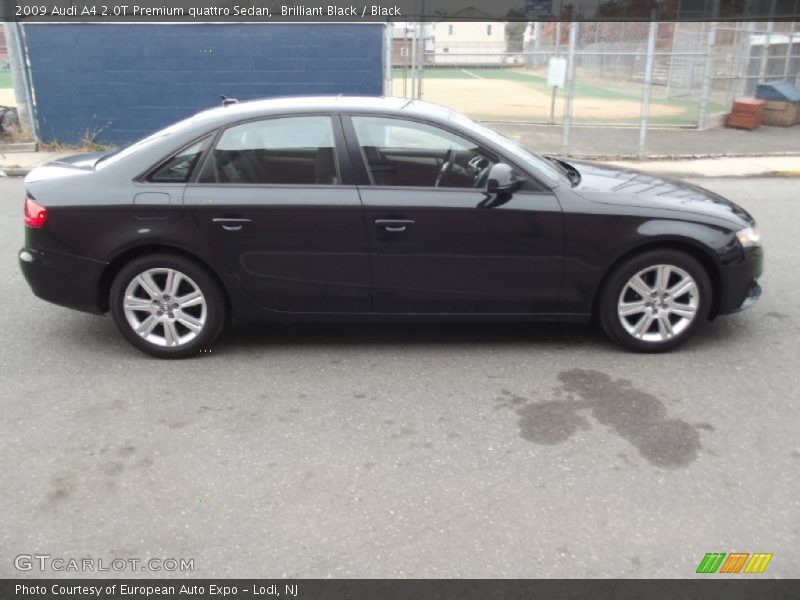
pixel 394 225
pixel 231 223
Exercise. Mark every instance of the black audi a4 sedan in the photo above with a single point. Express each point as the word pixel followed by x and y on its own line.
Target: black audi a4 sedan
pixel 385 209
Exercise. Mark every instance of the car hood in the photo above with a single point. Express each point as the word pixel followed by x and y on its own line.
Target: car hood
pixel 620 186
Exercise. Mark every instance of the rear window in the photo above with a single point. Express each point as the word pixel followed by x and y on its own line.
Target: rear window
pixel 178 168
pixel 144 143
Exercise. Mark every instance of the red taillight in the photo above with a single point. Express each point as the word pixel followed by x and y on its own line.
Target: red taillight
pixel 35 214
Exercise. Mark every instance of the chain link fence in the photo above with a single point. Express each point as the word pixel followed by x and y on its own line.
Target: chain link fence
pixel 16 125
pixel 6 87
pixel 613 74
pixel 623 75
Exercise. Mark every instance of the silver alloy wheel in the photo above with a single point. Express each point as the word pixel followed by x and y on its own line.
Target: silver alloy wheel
pixel 658 303
pixel 165 307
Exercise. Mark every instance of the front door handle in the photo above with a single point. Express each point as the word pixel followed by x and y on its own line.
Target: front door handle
pixel 231 223
pixel 394 225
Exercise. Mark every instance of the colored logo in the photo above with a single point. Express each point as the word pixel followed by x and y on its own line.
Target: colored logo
pixel 735 562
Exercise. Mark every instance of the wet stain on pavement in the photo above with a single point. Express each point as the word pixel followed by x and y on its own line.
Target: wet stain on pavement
pixel 405 431
pixel 112 468
pixel 778 315
pixel 637 416
pixel 62 489
pixel 103 408
pixel 126 450
pixel 63 486
pixel 174 423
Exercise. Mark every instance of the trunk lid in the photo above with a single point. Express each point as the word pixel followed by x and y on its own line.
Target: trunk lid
pixel 66 166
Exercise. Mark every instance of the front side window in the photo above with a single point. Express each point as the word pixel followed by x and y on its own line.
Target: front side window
pixel 179 167
pixel 288 150
pixel 398 152
pixel 543 168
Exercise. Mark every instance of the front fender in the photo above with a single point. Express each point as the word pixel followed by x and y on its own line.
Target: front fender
pixel 595 244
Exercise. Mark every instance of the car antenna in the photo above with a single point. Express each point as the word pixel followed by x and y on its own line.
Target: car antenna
pixel 226 101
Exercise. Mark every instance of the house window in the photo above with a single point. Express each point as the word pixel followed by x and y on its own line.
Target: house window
pixel 488 30
pixel 404 51
pixel 449 30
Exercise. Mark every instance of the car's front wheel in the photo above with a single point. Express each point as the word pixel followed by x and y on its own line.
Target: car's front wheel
pixel 655 300
pixel 167 305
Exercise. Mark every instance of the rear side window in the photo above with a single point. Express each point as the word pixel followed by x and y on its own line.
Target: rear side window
pixel 179 167
pixel 289 150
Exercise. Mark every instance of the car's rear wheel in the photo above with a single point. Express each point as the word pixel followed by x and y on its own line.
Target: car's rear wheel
pixel 655 301
pixel 167 305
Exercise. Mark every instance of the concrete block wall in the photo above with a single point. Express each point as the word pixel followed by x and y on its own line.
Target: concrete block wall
pixel 118 83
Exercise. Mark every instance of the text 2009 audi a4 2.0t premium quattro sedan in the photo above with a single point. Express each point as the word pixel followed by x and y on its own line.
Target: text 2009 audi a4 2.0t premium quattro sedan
pixel 334 208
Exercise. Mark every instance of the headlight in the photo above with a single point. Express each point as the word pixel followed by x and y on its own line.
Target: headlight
pixel 749 237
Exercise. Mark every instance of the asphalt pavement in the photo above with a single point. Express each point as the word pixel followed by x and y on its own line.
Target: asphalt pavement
pixel 405 451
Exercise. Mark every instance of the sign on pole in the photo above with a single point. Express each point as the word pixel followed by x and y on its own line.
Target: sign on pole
pixel 557 71
pixel 556 76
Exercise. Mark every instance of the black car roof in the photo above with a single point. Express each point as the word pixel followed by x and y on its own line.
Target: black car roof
pixel 303 104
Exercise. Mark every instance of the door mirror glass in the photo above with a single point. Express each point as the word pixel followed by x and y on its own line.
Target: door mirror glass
pixel 503 179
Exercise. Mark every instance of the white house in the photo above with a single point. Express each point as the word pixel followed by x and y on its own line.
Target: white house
pixel 469 43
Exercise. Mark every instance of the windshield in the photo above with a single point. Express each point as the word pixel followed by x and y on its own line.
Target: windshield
pixel 538 164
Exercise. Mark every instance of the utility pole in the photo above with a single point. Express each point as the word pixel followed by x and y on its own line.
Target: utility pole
pixel 708 75
pixel 648 82
pixel 19 81
pixel 763 71
pixel 569 90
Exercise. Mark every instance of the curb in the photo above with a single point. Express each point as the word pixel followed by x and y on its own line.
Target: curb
pixel 676 157
pixel 18 147
pixel 695 175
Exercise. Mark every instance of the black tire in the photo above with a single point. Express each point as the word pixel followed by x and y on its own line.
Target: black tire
pixel 617 281
pixel 195 275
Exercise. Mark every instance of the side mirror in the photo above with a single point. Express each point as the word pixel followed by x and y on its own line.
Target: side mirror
pixel 503 179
